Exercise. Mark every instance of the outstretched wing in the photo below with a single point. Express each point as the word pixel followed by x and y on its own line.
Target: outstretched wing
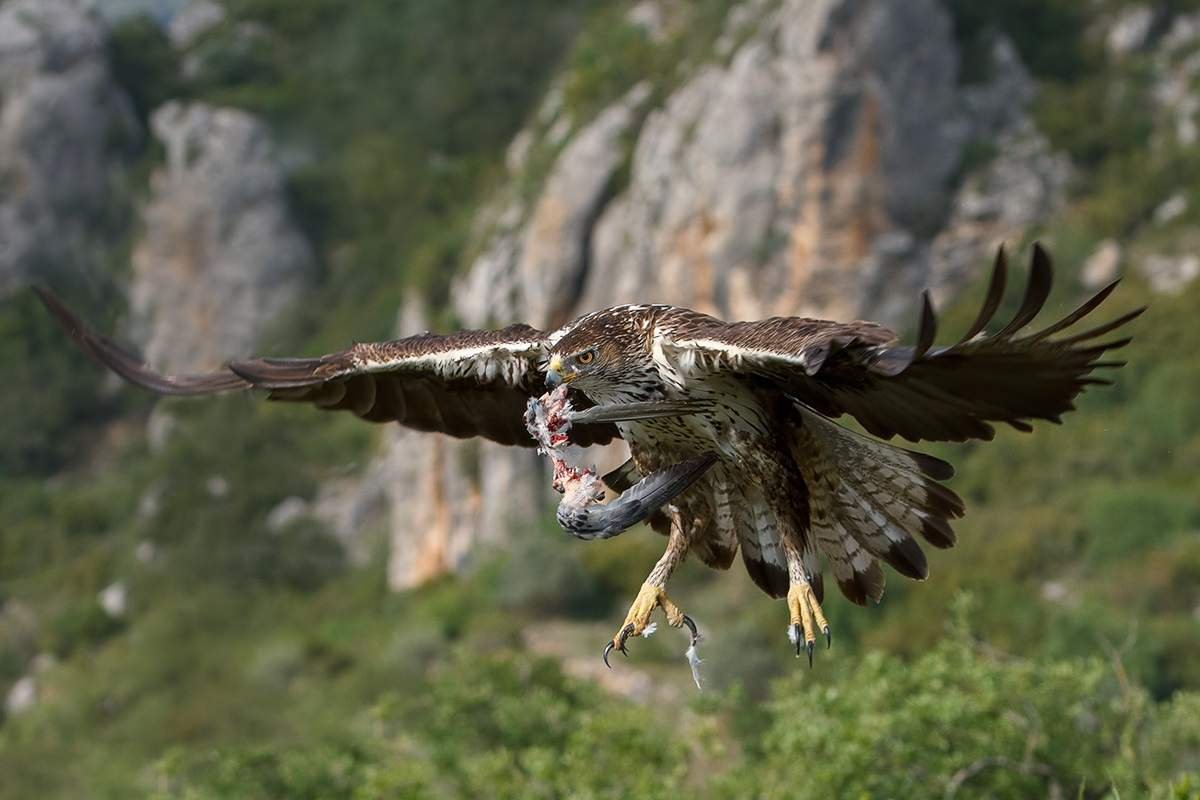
pixel 919 392
pixel 470 383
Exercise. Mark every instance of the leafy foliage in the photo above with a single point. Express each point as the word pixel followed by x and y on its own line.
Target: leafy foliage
pixel 957 722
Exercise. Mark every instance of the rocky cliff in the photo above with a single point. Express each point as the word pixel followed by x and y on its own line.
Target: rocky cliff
pixel 67 133
pixel 814 168
pixel 219 256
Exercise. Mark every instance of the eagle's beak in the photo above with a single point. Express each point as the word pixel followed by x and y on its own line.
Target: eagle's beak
pixel 554 373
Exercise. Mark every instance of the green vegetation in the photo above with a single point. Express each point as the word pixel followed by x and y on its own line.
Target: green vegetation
pixel 259 663
pixel 613 54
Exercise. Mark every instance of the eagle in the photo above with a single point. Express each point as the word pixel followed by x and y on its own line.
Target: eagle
pixel 732 427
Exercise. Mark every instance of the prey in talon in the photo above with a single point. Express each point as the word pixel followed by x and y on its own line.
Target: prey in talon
pixel 734 429
pixel 581 513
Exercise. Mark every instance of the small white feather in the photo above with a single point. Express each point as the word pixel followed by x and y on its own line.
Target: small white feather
pixel 694 661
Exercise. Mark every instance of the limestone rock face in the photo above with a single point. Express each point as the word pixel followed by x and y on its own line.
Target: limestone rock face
pixel 827 165
pixel 447 499
pixel 817 173
pixel 220 255
pixel 66 132
pixel 556 249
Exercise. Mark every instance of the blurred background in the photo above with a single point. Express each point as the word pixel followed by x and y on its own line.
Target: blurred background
pixel 225 598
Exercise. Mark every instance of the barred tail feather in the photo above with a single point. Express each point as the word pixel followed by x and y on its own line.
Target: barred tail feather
pixel 870 501
pixel 762 550
pixel 726 519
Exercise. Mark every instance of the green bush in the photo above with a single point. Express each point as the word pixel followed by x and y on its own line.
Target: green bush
pixel 961 723
pixel 957 722
pixel 51 400
pixel 1123 520
pixel 144 63
pixel 81 625
pixel 1048 35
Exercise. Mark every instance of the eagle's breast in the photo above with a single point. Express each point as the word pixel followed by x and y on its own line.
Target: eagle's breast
pixel 731 422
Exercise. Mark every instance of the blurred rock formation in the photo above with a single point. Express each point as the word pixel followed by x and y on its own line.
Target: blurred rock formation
pixel 66 134
pixel 219 255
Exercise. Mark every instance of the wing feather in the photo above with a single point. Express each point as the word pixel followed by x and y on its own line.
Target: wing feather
pixel 919 392
pixel 470 383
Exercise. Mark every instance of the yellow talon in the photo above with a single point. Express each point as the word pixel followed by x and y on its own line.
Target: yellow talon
pixel 636 622
pixel 806 615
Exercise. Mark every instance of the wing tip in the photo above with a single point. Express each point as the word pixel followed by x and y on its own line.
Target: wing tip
pixel 67 319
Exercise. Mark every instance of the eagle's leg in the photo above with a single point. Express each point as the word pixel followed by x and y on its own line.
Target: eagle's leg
pixel 652 595
pixel 804 608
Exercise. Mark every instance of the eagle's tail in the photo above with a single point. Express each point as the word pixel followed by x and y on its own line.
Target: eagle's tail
pixel 869 501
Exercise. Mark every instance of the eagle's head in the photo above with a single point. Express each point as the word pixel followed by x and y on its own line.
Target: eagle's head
pixel 606 355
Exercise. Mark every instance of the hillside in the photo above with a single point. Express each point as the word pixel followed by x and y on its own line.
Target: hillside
pixel 235 599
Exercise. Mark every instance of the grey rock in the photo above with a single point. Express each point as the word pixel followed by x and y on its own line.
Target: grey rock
pixel 193 21
pixel 1101 266
pixel 217 486
pixel 1001 102
pixel 146 552
pixel 517 154
pixel 22 696
pixel 159 427
pixel 1169 274
pixel 1176 70
pixel 556 247
pixel 490 290
pixel 115 11
pixel 66 133
pixel 1021 185
pixel 285 512
pixel 1175 95
pixel 150 503
pixel 440 500
pixel 1184 30
pixel 650 16
pixel 43 662
pixel 1170 209
pixel 813 174
pixel 354 509
pixel 449 500
pixel 220 256
pixel 1130 31
pixel 114 599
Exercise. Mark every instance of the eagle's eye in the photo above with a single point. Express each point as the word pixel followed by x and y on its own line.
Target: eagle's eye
pixel 585 358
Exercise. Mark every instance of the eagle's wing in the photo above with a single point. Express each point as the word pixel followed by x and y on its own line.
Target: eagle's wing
pixel 919 392
pixel 470 383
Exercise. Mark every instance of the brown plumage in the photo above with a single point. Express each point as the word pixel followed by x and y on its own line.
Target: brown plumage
pixel 792 487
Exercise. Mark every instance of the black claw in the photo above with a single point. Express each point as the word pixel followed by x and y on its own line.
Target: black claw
pixel 828 638
pixel 618 644
pixel 798 638
pixel 809 646
pixel 691 625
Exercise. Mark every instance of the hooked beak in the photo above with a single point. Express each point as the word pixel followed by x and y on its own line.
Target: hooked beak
pixel 554 373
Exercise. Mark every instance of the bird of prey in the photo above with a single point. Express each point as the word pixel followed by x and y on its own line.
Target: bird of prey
pixel 731 426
